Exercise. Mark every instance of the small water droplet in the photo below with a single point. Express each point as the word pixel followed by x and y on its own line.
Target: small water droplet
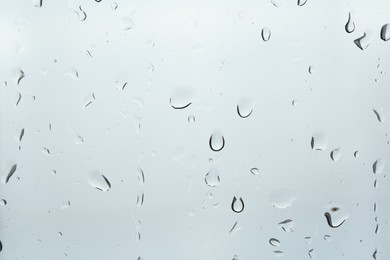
pixel 327 238
pixel 319 142
pixel 235 257
pixel 235 228
pixel 81 14
pixel 65 204
pixel 356 154
pixel 21 135
pixel 311 69
pixel 308 240
pixel 287 225
pixel 17 74
pixel 311 253
pixel 278 253
pixel 141 176
pixel 255 171
pixel 37 3
pixel 191 119
pixel 216 141
pixel 88 100
pixel 378 116
pixel 10 173
pixel 3 202
pixel 72 73
pixel 363 42
pixel 97 180
pixel 301 2
pixel 140 199
pixel 127 23
pixel 282 198
pixel 237 205
pixel 274 242
pixel 245 107
pixel 266 34
pixel 378 166
pixel 114 5
pixel 374 254
pixel 19 98
pixel 212 177
pixel 350 25
pixel 385 32
pixel 335 154
pixel 294 103
pixel 59 234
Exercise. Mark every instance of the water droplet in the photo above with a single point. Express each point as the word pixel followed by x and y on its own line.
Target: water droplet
pixel 212 177
pixel 65 204
pixel 88 100
pixel 191 119
pixel 356 154
pixel 72 73
pixel 282 198
pixel 274 242
pixel 59 234
pixel 17 74
pixel 237 205
pixel 311 253
pixel 377 229
pixel 319 142
pixel 266 34
pixel 97 180
pixel 378 166
pixel 98 1
pixel 141 176
pixel 287 225
pixel 1 246
pixel 350 25
pixel 311 70
pixel 10 173
pixel 140 200
pixel 37 3
pixel 114 6
pixel 21 135
pixel 385 32
pixel 374 254
pixel 335 154
pixel 363 42
pixel 127 23
pixel 278 253
pixel 255 171
pixel 294 103
pixel 302 2
pixel 335 217
pixel 3 202
pixel 327 238
pixel 19 98
pixel 245 107
pixel 308 240
pixel 181 98
pixel 235 257
pixel 235 228
pixel 81 14
pixel 216 141
pixel 378 116
pixel 179 153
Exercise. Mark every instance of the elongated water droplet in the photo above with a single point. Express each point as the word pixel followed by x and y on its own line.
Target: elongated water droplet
pixel 319 142
pixel 17 74
pixel 216 141
pixel 140 200
pixel 37 3
pixel 350 25
pixel 255 171
pixel 21 135
pixel 278 253
pixel 301 2
pixel 335 154
pixel 237 205
pixel 287 225
pixel 244 107
pixel 266 34
pixel 88 100
pixel 97 180
pixel 282 198
pixel 327 238
pixel 274 242
pixel 3 202
pixel 377 229
pixel 1 246
pixel 212 177
pixel 335 217
pixel 141 176
pixel 311 253
pixel 378 116
pixel 378 166
pixel 363 42
pixel 65 204
pixel 385 32
pixel 374 254
pixel 19 98
pixel 235 228
pixel 10 173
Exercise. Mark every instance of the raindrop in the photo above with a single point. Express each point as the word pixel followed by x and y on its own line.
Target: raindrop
pixel 356 154
pixel 274 242
pixel 378 166
pixel 278 253
pixel 98 1
pixel 350 25
pixel 3 202
pixel 310 253
pixel 255 171
pixel 88 100
pixel 46 151
pixel 72 73
pixel 127 23
pixel 1 246
pixel 19 98
pixel 235 228
pixel 237 205
pixel 362 42
pixel 114 6
pixel 191 119
pixel 65 204
pixel 10 173
pixel 287 225
pixel 311 70
pixel 266 34
pixel 302 2
pixel 335 154
pixel 21 135
pixel 294 103
pixel 141 176
pixel 335 218
pixel 377 229
pixel 98 181
pixel 216 141
pixel 308 240
pixel 282 198
pixel 82 15
pixel 140 200
pixel 327 238
pixel 235 257
pixel 37 3
pixel 138 236
pixel 319 142
pixel 378 116
pixel 212 177
pixel 374 254
pixel 59 234
pixel 385 32
pixel 18 75
pixel 179 103
pixel 245 107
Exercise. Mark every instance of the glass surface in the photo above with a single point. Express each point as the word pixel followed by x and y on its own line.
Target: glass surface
pixel 194 130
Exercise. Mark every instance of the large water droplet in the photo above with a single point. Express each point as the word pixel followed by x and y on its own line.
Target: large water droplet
pixel 212 177
pixel 181 98
pixel 378 166
pixel 237 205
pixel 311 253
pixel 97 180
pixel 350 25
pixel 363 42
pixel 335 154
pixel 255 171
pixel 266 34
pixel 287 225
pixel 319 142
pixel 216 141
pixel 245 107
pixel 282 198
pixel 385 32
pixel 301 2
pixel 10 173
pixel 274 242
pixel 335 217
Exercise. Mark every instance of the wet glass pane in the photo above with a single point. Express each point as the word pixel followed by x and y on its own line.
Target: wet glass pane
pixel 196 130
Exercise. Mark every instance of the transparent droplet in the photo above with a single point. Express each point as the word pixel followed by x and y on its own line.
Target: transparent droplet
pixel 181 98
pixel 265 34
pixel 114 5
pixel 336 216
pixel 385 32
pixel 72 73
pixel 179 153
pixel 245 107
pixel 3 202
pixel 294 103
pixel 311 70
pixel 255 171
pixel 274 242
pixel 356 154
pixel 82 15
pixel 59 234
pixel 311 253
pixel 374 254
pixel 308 240
pixel 350 25
pixel 88 100
pixel 235 228
pixel 65 204
pixel 21 135
pixel 97 180
pixel 287 225
pixel 127 23
pixel 278 253
pixel 319 142
pixel 37 3
pixel 10 173
pixel 140 199
pixel 216 141
pixel 212 177
pixel 335 154
pixel 235 257
pixel 327 238
pixel 363 42
pixel 302 2
pixel 237 205
pixel 191 119
pixel 17 74
pixel 378 115
pixel 378 166
pixel 282 198
pixel 141 176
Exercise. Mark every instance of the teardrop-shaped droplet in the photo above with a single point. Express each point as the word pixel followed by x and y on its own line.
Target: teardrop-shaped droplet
pixel 385 32
pixel 350 25
pixel 282 198
pixel 274 242
pixel 266 34
pixel 287 225
pixel 245 107
pixel 141 176
pixel 335 217
pixel 237 205
pixel 10 173
pixel 212 177
pixel 319 142
pixel 255 171
pixel 335 154
pixel 17 75
pixel 363 42
pixel 301 2
pixel 21 135
pixel 216 141
pixel 97 180
pixel 378 166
